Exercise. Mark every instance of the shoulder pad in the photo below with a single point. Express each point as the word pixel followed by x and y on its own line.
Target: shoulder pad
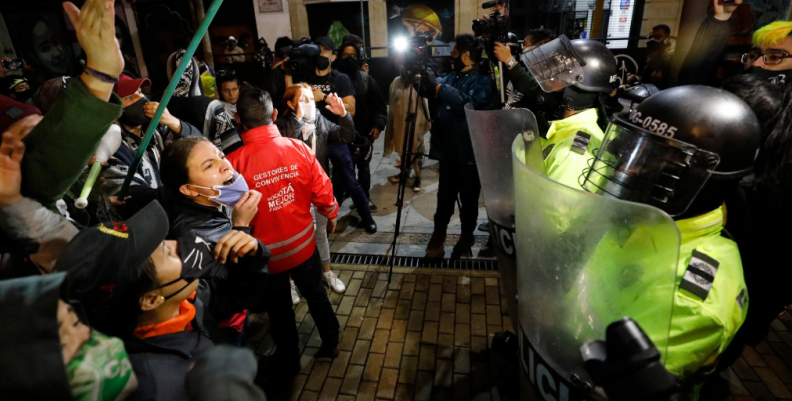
pixel 581 142
pixel 700 274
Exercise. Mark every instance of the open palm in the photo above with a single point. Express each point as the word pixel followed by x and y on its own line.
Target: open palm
pixel 11 153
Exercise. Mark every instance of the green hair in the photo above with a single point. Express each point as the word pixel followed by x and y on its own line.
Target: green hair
pixel 772 33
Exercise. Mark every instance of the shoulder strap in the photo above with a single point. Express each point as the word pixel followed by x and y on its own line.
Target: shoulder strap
pixel 365 76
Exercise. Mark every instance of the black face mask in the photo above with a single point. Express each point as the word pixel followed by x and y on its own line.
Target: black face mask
pixel 654 46
pixel 24 95
pixel 134 115
pixel 778 77
pixel 349 66
pixel 458 64
pixel 197 262
pixel 549 105
pixel 322 63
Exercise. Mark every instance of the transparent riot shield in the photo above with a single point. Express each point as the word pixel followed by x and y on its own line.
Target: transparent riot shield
pixel 583 262
pixel 492 133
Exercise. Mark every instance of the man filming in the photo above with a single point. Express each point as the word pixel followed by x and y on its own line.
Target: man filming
pixel 451 143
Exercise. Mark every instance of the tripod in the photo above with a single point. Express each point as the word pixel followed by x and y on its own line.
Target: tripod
pixel 407 160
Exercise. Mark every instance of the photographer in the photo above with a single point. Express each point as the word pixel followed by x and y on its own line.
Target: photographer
pixel 273 78
pixel 451 143
pixel 520 81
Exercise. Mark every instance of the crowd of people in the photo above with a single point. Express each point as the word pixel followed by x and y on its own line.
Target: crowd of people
pixel 225 209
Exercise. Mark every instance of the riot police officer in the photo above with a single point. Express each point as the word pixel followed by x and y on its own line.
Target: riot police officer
pixel 682 151
pixel 573 75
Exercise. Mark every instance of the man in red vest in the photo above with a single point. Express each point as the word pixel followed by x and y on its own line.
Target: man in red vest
pixel 290 179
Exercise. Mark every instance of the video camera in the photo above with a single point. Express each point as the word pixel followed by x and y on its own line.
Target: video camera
pixel 417 53
pixel 495 29
pixel 300 55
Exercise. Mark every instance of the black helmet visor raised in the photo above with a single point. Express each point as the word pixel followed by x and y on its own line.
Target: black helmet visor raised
pixel 637 165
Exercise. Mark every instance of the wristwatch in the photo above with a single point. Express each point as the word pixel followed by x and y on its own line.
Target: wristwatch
pixel 511 63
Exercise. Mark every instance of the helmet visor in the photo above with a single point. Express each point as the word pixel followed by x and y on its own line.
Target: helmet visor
pixel 554 65
pixel 637 165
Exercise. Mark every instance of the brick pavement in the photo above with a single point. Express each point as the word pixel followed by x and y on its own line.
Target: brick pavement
pixel 426 336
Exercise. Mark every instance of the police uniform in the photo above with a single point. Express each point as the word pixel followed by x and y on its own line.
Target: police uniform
pixel 569 145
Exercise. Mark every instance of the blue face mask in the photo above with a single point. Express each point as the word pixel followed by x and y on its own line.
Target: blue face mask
pixel 229 194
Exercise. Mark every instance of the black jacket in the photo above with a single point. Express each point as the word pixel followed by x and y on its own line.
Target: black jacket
pixel 702 59
pixel 161 363
pixel 370 109
pixel 344 132
pixel 186 216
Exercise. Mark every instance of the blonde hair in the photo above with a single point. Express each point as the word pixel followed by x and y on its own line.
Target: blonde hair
pixel 293 92
pixel 772 33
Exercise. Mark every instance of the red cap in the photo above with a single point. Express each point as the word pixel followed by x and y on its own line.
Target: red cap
pixel 127 86
pixel 12 111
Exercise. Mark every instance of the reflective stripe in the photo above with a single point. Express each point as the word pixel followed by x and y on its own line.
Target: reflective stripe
pixel 331 210
pixel 292 239
pixel 293 251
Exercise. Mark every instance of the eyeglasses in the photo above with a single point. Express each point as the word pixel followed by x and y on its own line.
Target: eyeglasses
pixel 772 58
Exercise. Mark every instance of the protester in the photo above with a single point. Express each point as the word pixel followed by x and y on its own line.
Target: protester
pixel 233 51
pixel 402 96
pixel 660 51
pixel 57 356
pixel 302 122
pixel 138 111
pixel 371 115
pixel 206 114
pixel 19 89
pixel 228 88
pixel 451 144
pixel 702 58
pixel 164 298
pixel 290 179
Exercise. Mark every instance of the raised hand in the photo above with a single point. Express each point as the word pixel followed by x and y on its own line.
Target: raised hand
pixel 95 26
pixel 724 11
pixel 335 105
pixel 234 245
pixel 245 210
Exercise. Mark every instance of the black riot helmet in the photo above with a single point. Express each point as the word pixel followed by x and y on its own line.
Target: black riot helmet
pixel 679 150
pixel 577 72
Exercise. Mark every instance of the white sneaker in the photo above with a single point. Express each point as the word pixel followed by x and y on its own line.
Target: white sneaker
pixel 334 283
pixel 295 295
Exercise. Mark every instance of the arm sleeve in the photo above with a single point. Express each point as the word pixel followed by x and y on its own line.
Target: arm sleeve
pixel 379 110
pixel 521 79
pixel 188 130
pixel 702 58
pixel 290 126
pixel 61 145
pixel 479 96
pixel 40 231
pixel 321 188
pixel 343 132
pixel 246 282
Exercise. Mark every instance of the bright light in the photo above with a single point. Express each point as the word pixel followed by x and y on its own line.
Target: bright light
pixel 400 44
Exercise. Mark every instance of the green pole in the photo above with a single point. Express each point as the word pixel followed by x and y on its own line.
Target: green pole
pixel 196 40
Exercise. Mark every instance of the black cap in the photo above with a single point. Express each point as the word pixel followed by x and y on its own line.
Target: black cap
pixel 101 260
pixel 326 42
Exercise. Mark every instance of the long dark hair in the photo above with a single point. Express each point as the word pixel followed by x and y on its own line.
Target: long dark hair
pixel 764 98
pixel 774 165
pixel 173 166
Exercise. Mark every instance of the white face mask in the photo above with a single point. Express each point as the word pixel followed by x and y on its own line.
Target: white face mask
pixel 309 111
